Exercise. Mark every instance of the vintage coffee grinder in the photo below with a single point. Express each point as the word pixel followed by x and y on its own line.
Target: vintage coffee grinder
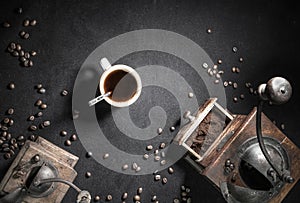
pixel 246 157
pixel 41 172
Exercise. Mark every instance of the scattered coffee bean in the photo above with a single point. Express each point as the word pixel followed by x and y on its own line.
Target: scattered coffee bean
pixel 4 128
pixel 124 196
pixel 19 10
pixel 156 158
pixel 176 200
pixel 27 55
pixel 89 154
pixel 64 93
pixel 219 61
pixel 33 22
pixel 33 53
pixel 43 106
pixel 21 53
pixel 38 102
pixel 33 127
pixel 18 47
pixel 31 118
pixel 109 197
pixel 225 83
pixel 39 114
pixel 11 122
pixel 125 167
pixel 6 24
pixel 235 99
pixel 26 63
pixel 146 156
pixel 190 95
pixel 68 142
pixel 149 147
pixel 234 49
pixel 10 111
pixel 242 96
pixel 139 190
pixel 22 59
pixel 88 174
pixel 164 180
pixel 97 198
pixel 15 53
pixel 105 156
pixel 235 85
pixel 154 198
pixel 282 126
pixel 7 156
pixel 241 59
pixel 172 128
pixel 32 137
pixel 209 31
pixel 157 177
pixel 20 138
pixel 217 81
pixel 163 162
pixel 30 63
pixel 134 166
pixel 73 137
pixel 136 198
pixel 26 23
pixel 229 82
pixel 26 35
pixel 46 123
pixel 162 145
pixel 22 33
pixel 170 170
pixel 205 65
pixel 39 86
pixel 42 90
pixel 63 133
pixel 159 131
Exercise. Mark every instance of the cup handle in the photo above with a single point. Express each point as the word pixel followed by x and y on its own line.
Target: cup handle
pixel 105 64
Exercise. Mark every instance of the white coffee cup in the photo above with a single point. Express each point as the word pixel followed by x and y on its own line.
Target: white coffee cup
pixel 108 74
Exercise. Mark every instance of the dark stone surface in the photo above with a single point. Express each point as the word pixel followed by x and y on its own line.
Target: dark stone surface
pixel 265 32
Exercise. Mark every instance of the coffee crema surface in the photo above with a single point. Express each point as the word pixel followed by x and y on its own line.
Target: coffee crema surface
pixel 121 84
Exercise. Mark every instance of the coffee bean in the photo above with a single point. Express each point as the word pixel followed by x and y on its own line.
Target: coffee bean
pixel 21 53
pixel 163 162
pixel 139 190
pixel 26 22
pixel 154 198
pixel 172 128
pixel 159 130
pixel 6 120
pixel 26 36
pixel 10 50
pixel 13 45
pixel 15 53
pixel 32 137
pixel 125 167
pixel 63 133
pixel 26 63
pixel 190 95
pixel 219 61
pixel 242 96
pixel 22 33
pixel 124 196
pixel 73 137
pixel 33 127
pixel 235 85
pixel 68 143
pixel 162 145
pixel 39 114
pixel 43 106
pixel 20 138
pixel 88 174
pixel 11 122
pixel 176 200
pixel 109 197
pixel 39 86
pixel 42 90
pixel 8 136
pixel 157 177
pixel 4 128
pixel 97 198
pixel 64 93
pixel 164 180
pixel 6 24
pixel 234 49
pixel 149 147
pixel 33 22
pixel 105 156
pixel 38 102
pixel 209 31
pixel 18 47
pixel 33 53
pixel 19 10
pixel 10 111
pixel 89 154
pixel 170 170
pixel 31 118
pixel 7 156
pixel 235 99
pixel 46 123
pixel 136 198
pixel 30 63
pixel 27 55
pixel 241 59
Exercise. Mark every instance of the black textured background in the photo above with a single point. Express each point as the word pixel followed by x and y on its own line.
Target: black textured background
pixel 265 32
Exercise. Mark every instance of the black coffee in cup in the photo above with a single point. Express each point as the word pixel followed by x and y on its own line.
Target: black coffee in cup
pixel 121 84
